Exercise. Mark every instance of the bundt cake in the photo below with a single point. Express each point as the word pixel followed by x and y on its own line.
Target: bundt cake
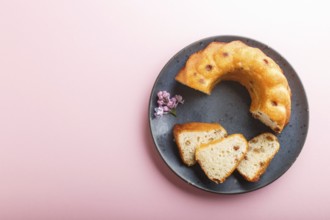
pixel 267 85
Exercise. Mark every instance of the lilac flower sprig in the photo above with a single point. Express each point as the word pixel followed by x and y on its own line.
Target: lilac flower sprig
pixel 166 104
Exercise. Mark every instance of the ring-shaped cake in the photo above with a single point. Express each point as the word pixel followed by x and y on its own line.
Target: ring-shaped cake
pixel 263 78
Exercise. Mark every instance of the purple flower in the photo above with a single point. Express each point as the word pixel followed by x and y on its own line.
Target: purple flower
pixel 166 95
pixel 166 104
pixel 179 99
pixel 160 102
pixel 172 104
pixel 160 95
pixel 166 109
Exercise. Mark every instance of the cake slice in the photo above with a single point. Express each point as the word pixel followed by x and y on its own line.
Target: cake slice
pixel 262 149
pixel 219 158
pixel 189 136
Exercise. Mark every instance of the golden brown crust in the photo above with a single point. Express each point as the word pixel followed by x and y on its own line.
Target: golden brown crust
pixel 195 126
pixel 178 128
pixel 219 140
pixel 268 87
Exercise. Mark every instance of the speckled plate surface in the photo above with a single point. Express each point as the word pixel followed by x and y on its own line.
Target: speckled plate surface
pixel 229 105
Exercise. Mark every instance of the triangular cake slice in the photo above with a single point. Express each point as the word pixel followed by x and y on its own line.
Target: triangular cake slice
pixel 219 158
pixel 262 149
pixel 189 136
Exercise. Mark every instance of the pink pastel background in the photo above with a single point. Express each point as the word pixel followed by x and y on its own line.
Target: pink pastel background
pixel 75 79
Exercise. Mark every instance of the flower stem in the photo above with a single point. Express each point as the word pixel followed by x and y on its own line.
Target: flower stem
pixel 173 112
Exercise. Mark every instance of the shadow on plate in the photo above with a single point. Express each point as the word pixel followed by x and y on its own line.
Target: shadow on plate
pixel 169 175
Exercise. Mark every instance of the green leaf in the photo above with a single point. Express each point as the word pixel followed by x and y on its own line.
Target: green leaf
pixel 173 112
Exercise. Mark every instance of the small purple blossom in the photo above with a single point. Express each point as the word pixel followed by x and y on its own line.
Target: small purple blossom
pixel 166 104
pixel 179 99
pixel 166 95
pixel 171 104
pixel 160 102
pixel 166 109
pixel 160 94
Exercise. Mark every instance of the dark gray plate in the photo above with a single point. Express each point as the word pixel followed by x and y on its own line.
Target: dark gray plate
pixel 229 105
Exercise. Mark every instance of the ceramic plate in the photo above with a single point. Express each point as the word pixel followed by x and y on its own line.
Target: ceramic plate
pixel 228 105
